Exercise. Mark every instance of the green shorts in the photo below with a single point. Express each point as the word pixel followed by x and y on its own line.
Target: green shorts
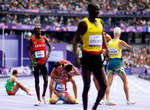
pixel 115 66
pixel 119 70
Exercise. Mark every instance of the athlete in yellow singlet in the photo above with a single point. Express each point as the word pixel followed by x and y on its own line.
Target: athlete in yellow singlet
pixel 115 66
pixel 91 32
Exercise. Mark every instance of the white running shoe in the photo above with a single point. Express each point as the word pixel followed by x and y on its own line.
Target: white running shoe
pixel 44 100
pixel 130 102
pixel 110 103
pixel 77 101
pixel 38 103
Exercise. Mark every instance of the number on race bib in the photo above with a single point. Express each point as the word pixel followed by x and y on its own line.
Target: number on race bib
pixel 95 40
pixel 60 87
pixel 39 54
pixel 113 51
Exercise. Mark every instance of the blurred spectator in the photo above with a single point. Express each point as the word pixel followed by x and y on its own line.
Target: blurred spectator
pixel 78 5
pixel 68 20
pixel 137 57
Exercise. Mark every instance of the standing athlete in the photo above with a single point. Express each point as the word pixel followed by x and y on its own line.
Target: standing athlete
pixel 108 38
pixel 115 66
pixel 91 30
pixel 38 60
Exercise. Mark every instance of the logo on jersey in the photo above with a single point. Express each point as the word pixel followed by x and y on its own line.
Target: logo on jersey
pixel 40 45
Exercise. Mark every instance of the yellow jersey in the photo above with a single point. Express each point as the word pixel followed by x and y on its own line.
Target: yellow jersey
pixel 114 50
pixel 92 39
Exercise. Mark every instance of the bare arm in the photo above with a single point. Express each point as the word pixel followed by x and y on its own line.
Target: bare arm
pixel 105 44
pixel 28 49
pixel 53 76
pixel 52 88
pixel 49 50
pixel 124 44
pixel 105 39
pixel 74 87
pixel 76 72
pixel 14 79
pixel 108 37
pixel 80 31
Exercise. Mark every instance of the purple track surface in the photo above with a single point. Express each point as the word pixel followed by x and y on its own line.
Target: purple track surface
pixel 139 92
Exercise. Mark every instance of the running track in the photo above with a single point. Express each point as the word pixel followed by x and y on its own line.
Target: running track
pixel 139 91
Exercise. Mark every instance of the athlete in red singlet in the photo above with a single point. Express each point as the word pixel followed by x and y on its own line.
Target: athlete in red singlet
pixel 38 60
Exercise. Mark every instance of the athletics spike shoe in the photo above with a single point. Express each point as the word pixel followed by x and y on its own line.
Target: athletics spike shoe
pixel 49 100
pixel 102 102
pixel 38 103
pixel 130 102
pixel 77 101
pixel 44 100
pixel 110 104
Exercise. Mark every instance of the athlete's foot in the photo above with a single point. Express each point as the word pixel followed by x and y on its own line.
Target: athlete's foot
pixel 38 103
pixel 130 102
pixel 30 93
pixel 110 103
pixel 44 100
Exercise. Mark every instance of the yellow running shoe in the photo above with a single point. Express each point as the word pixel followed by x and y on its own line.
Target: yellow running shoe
pixel 77 101
pixel 49 100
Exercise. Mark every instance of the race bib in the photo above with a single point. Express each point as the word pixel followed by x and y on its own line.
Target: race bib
pixel 113 51
pixel 95 40
pixel 60 87
pixel 39 54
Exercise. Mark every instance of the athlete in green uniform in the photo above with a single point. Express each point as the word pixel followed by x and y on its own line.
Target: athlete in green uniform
pixel 115 65
pixel 12 85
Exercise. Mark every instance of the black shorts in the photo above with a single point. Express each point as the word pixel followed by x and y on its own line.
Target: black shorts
pixel 40 68
pixel 91 62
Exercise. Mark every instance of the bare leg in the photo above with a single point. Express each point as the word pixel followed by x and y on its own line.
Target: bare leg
pixel 125 84
pixel 101 78
pixel 96 83
pixel 70 99
pixel 45 77
pixel 19 85
pixel 86 80
pixel 15 88
pixel 109 83
pixel 97 87
pixel 37 87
